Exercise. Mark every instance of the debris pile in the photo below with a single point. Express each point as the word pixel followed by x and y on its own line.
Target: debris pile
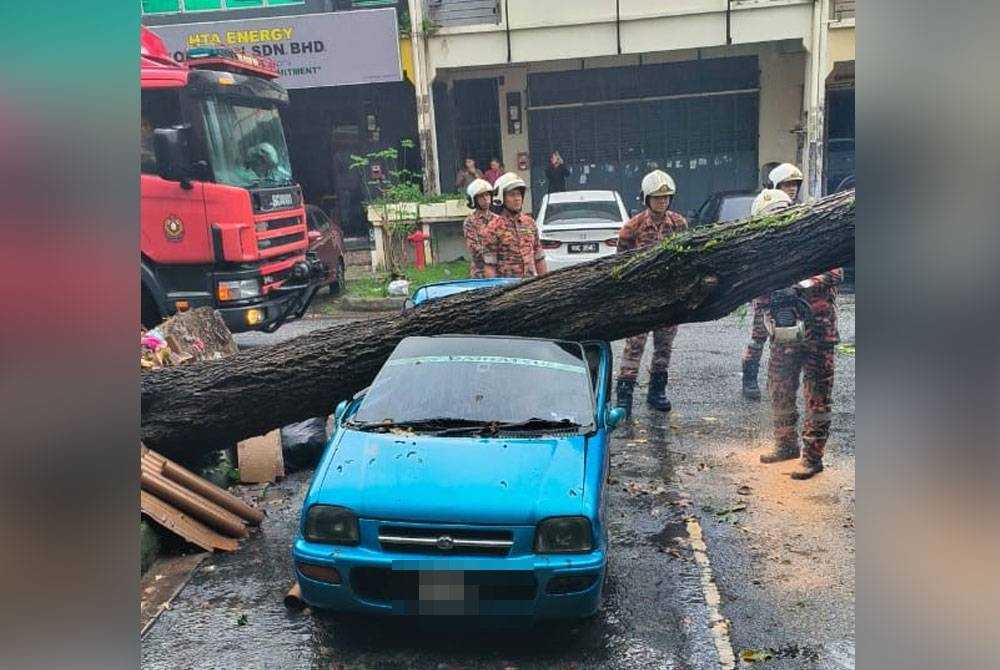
pixel 199 334
pixel 192 507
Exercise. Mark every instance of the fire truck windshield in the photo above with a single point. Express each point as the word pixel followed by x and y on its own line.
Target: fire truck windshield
pixel 246 144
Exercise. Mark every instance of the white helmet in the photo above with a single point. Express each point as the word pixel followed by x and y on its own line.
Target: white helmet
pixel 476 189
pixel 782 173
pixel 508 181
pixel 769 200
pixel 657 182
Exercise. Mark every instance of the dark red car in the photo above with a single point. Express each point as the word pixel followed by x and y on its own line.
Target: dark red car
pixel 327 240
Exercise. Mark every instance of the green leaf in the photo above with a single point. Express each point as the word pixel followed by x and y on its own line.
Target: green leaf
pixel 755 655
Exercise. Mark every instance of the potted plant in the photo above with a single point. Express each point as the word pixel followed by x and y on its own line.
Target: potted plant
pixel 392 202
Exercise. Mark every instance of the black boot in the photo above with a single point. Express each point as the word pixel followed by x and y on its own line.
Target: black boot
pixel 782 452
pixel 807 468
pixel 657 394
pixel 624 393
pixel 750 389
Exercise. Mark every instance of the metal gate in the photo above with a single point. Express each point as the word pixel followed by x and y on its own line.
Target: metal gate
pixel 696 120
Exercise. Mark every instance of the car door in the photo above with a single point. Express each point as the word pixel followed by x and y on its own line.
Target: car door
pixel 321 238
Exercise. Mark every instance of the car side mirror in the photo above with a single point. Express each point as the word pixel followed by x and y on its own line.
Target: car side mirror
pixel 314 235
pixel 338 413
pixel 615 417
pixel 173 154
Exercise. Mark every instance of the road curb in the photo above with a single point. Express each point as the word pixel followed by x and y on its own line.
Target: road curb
pixel 370 305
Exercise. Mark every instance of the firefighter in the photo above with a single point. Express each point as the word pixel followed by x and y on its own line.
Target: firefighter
pixel 512 247
pixel 788 178
pixel 479 196
pixel 785 178
pixel 650 226
pixel 809 354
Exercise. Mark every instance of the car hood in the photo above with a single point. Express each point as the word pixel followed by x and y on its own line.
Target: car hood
pixel 454 479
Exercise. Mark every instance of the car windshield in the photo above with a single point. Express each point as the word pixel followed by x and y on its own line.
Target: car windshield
pixel 481 379
pixel 593 210
pixel 246 144
pixel 735 207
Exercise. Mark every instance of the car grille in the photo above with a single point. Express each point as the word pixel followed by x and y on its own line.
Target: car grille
pixel 445 541
pixel 386 584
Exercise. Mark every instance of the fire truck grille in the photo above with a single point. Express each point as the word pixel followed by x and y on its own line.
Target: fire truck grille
pixel 276 224
pixel 279 241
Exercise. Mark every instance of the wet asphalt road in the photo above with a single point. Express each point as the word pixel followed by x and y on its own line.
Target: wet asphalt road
pixel 781 560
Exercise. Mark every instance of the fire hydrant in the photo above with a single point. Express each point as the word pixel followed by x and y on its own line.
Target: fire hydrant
pixel 418 237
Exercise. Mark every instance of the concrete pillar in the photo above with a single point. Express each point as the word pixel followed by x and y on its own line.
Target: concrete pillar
pixel 814 102
pixel 427 134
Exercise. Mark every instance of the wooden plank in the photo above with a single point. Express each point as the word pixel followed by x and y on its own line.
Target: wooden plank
pixel 180 523
pixel 260 458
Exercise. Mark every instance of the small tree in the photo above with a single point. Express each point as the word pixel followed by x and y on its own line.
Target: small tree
pixel 396 197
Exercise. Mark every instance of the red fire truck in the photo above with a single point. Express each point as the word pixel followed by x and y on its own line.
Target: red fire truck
pixel 223 222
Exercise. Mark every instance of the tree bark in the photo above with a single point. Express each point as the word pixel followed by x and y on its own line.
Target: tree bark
pixel 700 275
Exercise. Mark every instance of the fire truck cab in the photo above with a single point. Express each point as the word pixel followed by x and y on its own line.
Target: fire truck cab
pixel 222 220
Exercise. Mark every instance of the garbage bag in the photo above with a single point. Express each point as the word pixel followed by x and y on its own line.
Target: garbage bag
pixel 302 443
pixel 399 287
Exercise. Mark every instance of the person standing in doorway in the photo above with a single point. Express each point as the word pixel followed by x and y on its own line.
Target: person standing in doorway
pixel 512 246
pixel 479 195
pixel 496 169
pixel 786 178
pixel 556 173
pixel 467 174
pixel 650 226
pixel 345 181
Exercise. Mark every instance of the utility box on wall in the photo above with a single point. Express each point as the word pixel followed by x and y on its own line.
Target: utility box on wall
pixel 514 120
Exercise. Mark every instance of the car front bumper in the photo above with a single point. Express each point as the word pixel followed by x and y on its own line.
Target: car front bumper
pixel 387 583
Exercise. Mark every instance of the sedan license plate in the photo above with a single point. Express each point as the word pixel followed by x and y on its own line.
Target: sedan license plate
pixel 582 248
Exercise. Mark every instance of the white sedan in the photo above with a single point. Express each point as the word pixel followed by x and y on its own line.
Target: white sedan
pixel 579 226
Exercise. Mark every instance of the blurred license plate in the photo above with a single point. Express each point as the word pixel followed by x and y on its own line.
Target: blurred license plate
pixel 442 586
pixel 582 248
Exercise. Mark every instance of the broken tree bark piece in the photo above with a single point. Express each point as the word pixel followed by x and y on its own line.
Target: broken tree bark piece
pixel 200 333
pixel 700 275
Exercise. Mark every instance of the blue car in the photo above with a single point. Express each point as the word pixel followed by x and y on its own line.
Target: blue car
pixel 469 478
pixel 442 289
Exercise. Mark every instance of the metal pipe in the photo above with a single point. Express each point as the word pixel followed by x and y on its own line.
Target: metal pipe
pixel 729 21
pixel 293 599
pixel 618 24
pixel 506 22
pixel 186 501
pixel 625 101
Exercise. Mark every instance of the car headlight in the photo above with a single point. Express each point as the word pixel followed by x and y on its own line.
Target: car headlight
pixel 330 524
pixel 238 290
pixel 564 535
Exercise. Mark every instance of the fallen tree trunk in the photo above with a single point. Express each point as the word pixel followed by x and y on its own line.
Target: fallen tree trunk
pixel 696 276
